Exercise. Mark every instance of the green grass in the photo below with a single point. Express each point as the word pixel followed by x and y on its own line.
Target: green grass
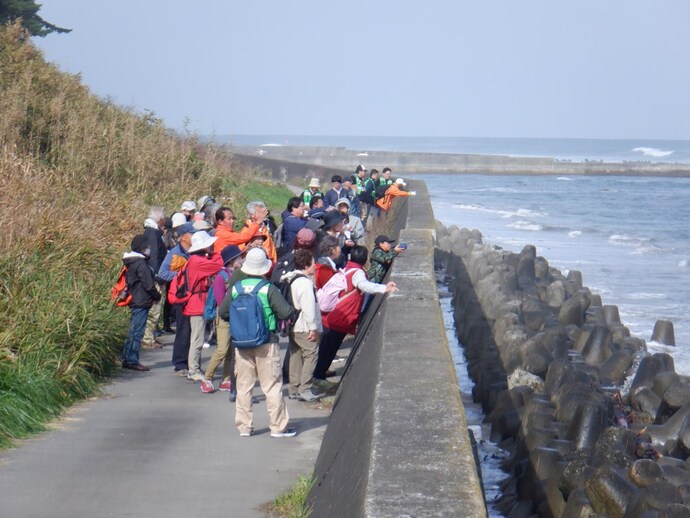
pixel 293 503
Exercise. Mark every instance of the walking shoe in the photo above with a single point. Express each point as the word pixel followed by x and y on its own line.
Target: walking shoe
pixel 309 396
pixel 182 373
pixel 246 434
pixel 153 345
pixel 207 387
pixel 195 376
pixel 225 386
pixel 233 396
pixel 293 396
pixel 135 367
pixel 330 374
pixel 288 432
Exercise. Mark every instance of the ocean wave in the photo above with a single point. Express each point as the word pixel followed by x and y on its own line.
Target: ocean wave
pixel 271 144
pixel 575 233
pixel 520 213
pixel 683 263
pixel 526 225
pixel 565 179
pixel 645 295
pixel 653 152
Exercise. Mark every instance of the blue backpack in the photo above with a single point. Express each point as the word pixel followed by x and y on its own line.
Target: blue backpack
pixel 247 323
pixel 211 308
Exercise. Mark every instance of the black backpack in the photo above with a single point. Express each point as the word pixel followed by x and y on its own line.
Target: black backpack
pixel 380 191
pixel 285 288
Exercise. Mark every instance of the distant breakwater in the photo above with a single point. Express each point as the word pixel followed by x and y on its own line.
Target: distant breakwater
pixel 550 363
pixel 301 161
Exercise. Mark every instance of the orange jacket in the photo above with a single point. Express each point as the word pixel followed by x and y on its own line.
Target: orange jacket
pixel 387 200
pixel 228 237
pixel 268 246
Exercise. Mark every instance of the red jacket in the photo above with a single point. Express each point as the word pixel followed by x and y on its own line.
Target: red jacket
pixel 199 270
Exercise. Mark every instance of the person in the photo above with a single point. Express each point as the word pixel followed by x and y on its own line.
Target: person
pixel 360 178
pixel 142 285
pixel 293 222
pixel 381 258
pixel 153 232
pixel 306 331
pixel 352 196
pixel 334 193
pixel 262 361
pixel 316 208
pixel 174 262
pixel 202 264
pixel 206 207
pixel 225 225
pixel 334 225
pixel 334 331
pixel 312 191
pixel 264 228
pixel 225 352
pixel 393 191
pixel 368 196
pixel 386 176
pixel 329 253
pixel 353 229
pixel 188 208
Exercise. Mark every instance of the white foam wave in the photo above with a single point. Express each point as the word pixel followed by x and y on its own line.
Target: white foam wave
pixel 526 225
pixel 653 152
pixel 626 240
pixel 270 144
pixel 565 179
pixel 644 295
pixel 575 233
pixel 683 263
pixel 522 213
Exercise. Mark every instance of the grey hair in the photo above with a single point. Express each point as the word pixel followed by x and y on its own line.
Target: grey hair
pixel 156 213
pixel 252 205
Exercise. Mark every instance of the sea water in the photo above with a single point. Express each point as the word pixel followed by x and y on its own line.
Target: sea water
pixel 628 236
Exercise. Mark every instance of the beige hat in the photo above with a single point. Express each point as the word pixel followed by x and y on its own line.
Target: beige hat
pixel 256 262
pixel 178 219
pixel 202 224
pixel 188 205
pixel 315 182
pixel 201 241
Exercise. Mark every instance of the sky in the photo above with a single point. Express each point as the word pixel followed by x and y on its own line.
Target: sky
pixel 457 68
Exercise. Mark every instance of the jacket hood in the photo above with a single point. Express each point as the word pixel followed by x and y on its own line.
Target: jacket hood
pixel 149 223
pixel 287 277
pixel 130 257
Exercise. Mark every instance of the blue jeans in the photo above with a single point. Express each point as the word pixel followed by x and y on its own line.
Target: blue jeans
pixel 137 326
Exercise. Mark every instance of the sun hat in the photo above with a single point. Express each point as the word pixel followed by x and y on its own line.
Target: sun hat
pixel 305 238
pixel 201 241
pixel 178 219
pixel 383 239
pixel 230 253
pixel 256 262
pixel 203 201
pixel 400 181
pixel 187 228
pixel 332 218
pixel 343 200
pixel 202 224
pixel 188 205
pixel 315 182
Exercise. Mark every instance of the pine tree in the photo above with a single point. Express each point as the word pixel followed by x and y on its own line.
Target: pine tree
pixel 27 10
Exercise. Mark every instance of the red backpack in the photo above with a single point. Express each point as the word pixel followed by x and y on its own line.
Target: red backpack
pixel 120 293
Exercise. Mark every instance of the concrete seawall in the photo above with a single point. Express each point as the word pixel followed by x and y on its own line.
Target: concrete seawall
pixel 397 442
pixel 324 161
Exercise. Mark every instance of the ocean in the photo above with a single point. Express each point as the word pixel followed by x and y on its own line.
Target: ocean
pixel 629 236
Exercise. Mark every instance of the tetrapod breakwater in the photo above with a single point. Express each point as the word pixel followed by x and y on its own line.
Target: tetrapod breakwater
pixel 594 425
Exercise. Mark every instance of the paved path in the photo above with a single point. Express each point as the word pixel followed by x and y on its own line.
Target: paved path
pixel 156 446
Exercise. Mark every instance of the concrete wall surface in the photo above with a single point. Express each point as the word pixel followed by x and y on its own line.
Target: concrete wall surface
pixel 397 442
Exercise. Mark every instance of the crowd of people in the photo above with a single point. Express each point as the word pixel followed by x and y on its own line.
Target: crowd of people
pixel 206 277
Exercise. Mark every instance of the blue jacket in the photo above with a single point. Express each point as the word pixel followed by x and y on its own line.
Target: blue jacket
pixel 331 197
pixel 164 272
pixel 291 225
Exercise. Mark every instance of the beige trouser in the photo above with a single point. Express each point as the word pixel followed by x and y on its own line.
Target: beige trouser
pixel 225 352
pixel 303 356
pixel 152 321
pixel 264 362
pixel 196 342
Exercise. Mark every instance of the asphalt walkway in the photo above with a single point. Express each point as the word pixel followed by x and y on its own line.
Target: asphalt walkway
pixel 155 446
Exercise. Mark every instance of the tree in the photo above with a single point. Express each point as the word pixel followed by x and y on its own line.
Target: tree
pixel 27 10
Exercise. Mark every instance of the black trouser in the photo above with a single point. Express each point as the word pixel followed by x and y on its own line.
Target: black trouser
pixel 182 336
pixel 328 347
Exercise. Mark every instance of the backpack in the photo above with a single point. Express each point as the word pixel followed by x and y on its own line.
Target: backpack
pixel 286 324
pixel 179 292
pixel 380 191
pixel 247 323
pixel 329 293
pixel 120 293
pixel 211 307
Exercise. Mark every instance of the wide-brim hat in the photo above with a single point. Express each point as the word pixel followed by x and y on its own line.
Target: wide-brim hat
pixel 178 219
pixel 230 253
pixel 256 262
pixel 202 224
pixel 315 182
pixel 201 241
pixel 332 218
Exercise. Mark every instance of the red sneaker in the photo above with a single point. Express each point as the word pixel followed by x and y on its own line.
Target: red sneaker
pixel 225 386
pixel 207 387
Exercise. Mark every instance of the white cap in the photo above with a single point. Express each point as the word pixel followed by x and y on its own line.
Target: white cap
pixel 178 219
pixel 188 205
pixel 400 181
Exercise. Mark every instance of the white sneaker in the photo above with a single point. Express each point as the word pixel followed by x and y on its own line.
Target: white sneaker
pixel 288 432
pixel 245 434
pixel 196 376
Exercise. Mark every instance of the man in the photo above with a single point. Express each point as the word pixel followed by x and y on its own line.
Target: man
pixel 393 191
pixel 153 232
pixel 188 208
pixel 264 229
pixel 353 227
pixel 316 209
pixel 386 179
pixel 381 258
pixel 174 261
pixel 368 196
pixel 202 265
pixel 225 228
pixel 142 286
pixel 263 360
pixel 304 334
pixel 352 196
pixel 359 178
pixel 334 193
pixel 294 222
pixel 312 191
